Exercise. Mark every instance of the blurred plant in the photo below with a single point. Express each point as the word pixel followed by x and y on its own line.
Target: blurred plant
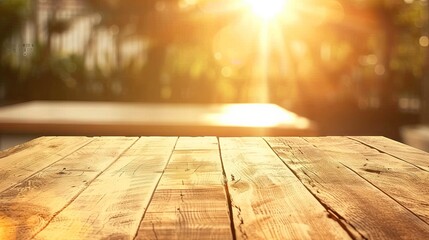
pixel 12 17
pixel 163 25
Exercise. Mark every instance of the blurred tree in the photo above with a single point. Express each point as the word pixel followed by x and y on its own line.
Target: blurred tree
pixel 12 17
pixel 424 42
pixel 164 24
pixel 376 43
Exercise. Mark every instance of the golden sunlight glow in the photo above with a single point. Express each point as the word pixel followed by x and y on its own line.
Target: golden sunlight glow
pixel 7 229
pixel 263 33
pixel 257 115
pixel 266 9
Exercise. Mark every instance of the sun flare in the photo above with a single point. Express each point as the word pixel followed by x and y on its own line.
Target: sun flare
pixel 267 9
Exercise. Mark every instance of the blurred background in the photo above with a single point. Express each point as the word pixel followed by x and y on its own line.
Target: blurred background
pixel 354 67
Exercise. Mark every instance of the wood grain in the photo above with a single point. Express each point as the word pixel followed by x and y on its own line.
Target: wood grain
pixel 358 204
pixel 401 151
pixel 185 204
pixel 200 188
pixel 186 225
pixel 402 181
pixel 113 204
pixel 29 206
pixel 268 201
pixel 20 162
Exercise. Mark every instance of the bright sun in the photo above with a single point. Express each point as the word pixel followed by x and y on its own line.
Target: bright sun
pixel 266 9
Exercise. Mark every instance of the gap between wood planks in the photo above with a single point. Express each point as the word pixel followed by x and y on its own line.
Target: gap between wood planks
pixel 268 200
pixel 371 183
pixel 153 192
pixel 348 227
pixel 385 152
pixel 332 213
pixel 228 196
pixel 354 154
pixel 190 201
pixel 384 193
pixel 82 190
pixel 46 167
pixel 387 220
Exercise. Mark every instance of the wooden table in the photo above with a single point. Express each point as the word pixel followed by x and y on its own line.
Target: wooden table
pixel 143 119
pixel 22 122
pixel 214 188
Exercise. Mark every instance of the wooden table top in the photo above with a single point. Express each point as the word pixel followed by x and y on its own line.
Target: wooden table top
pixel 214 188
pixel 139 119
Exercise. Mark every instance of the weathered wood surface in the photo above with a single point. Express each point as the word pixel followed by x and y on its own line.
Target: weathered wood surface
pixel 22 161
pixel 112 205
pixel 362 208
pixel 30 205
pixel 214 188
pixel 402 181
pixel 403 152
pixel 268 201
pixel 190 201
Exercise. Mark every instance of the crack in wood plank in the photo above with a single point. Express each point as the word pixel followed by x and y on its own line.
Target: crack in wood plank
pixel 385 172
pixel 228 194
pixel 240 218
pixel 154 230
pixel 268 201
pixel 190 201
pixel 347 226
pixel 153 193
pixel 400 203
pixel 337 185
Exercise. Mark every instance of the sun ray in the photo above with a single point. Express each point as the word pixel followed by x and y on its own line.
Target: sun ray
pixel 267 9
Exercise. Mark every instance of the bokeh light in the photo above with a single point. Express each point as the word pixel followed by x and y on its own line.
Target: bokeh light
pixel 424 41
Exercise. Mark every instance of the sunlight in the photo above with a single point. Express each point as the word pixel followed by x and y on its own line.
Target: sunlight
pixel 265 31
pixel 267 9
pixel 257 115
pixel 7 229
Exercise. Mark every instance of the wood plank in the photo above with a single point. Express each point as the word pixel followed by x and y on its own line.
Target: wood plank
pixel 113 205
pixel 197 143
pixel 186 225
pixel 186 206
pixel 402 151
pixel 359 205
pixel 29 206
pixel 190 180
pixel 268 201
pixel 403 182
pixel 195 164
pixel 20 162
